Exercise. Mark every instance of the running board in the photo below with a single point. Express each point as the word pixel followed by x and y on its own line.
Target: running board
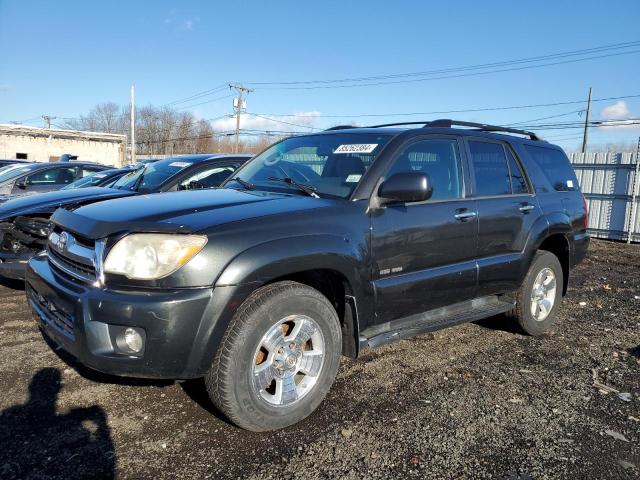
pixel 432 320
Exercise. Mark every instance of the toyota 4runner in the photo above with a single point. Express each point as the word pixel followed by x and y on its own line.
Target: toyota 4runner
pixel 322 245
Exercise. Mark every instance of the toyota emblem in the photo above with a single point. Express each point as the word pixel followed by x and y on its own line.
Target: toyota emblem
pixel 63 241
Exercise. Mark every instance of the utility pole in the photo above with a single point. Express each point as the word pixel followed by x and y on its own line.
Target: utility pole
pixel 47 120
pixel 586 124
pixel 133 125
pixel 239 104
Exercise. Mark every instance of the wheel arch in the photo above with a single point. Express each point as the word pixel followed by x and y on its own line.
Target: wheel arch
pixel 329 263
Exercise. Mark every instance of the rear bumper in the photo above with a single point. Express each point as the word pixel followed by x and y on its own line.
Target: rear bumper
pixel 581 243
pixel 182 327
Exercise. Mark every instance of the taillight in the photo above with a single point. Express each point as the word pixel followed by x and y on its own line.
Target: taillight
pixel 586 212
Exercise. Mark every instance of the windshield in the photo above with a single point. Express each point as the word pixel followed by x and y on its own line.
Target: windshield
pixel 329 164
pixel 152 176
pixel 88 181
pixel 13 171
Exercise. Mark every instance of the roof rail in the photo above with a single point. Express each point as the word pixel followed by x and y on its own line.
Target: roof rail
pixel 340 127
pixel 448 123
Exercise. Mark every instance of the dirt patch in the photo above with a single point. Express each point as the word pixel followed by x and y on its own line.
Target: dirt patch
pixel 475 401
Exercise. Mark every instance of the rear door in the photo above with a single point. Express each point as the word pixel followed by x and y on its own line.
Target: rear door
pixel 424 253
pixel 507 209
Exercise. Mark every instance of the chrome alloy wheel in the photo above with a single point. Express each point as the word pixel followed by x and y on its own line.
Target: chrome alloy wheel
pixel 543 294
pixel 288 360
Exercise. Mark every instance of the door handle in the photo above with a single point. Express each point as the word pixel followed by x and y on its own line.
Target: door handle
pixel 526 208
pixel 464 216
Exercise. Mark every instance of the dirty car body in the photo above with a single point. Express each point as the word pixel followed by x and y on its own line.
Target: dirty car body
pixel 371 256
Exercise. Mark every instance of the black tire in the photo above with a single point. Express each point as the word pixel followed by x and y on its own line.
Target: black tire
pixel 229 381
pixel 522 312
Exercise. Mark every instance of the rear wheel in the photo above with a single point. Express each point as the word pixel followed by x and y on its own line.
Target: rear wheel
pixel 540 294
pixel 277 359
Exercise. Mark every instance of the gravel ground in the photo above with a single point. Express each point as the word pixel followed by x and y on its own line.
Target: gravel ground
pixel 475 401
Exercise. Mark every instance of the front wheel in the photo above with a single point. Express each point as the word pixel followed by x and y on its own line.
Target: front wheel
pixel 540 294
pixel 278 358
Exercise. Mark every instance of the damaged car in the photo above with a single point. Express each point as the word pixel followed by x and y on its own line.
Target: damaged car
pixel 24 221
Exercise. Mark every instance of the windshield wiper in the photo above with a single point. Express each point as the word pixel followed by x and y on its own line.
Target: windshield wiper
pixel 244 183
pixel 138 181
pixel 308 189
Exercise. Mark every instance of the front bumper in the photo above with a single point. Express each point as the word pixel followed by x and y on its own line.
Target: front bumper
pixel 14 266
pixel 182 326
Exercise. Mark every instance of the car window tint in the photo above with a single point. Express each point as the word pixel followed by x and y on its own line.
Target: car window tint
pixel 555 166
pixel 489 164
pixel 518 181
pixel 53 176
pixel 439 159
pixel 209 177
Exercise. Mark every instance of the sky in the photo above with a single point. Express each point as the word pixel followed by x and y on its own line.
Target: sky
pixel 60 58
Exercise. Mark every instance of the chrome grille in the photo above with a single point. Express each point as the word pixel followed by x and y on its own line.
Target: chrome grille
pixel 71 256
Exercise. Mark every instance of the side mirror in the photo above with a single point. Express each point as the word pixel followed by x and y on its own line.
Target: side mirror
pixel 405 187
pixel 21 184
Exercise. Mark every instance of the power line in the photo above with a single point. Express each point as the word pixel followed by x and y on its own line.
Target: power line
pixel 544 118
pixel 442 112
pixel 463 68
pixel 197 95
pixel 282 121
pixel 442 77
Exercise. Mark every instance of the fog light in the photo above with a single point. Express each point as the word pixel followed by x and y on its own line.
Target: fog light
pixel 134 340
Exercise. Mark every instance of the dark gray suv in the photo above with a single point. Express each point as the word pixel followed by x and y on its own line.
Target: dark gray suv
pixel 322 245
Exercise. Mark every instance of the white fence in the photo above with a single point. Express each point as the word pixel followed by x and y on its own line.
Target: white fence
pixel 611 184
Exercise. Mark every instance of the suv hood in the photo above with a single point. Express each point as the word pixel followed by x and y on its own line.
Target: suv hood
pixel 186 212
pixel 46 203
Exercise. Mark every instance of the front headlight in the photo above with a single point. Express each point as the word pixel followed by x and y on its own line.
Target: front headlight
pixel 149 256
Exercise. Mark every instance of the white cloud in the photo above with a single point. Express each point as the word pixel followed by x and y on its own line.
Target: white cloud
pixel 620 114
pixel 617 111
pixel 296 122
pixel 180 23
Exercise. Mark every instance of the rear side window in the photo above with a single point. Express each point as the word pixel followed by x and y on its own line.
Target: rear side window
pixel 556 167
pixel 490 167
pixel 53 176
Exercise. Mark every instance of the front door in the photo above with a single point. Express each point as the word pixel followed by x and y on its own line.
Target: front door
pixel 424 253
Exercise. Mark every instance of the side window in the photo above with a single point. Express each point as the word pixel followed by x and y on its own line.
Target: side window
pixel 518 181
pixel 555 166
pixel 439 159
pixel 208 177
pixel 53 176
pixel 489 164
pixel 88 171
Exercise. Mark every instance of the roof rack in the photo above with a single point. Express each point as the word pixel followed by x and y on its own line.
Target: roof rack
pixel 340 127
pixel 448 123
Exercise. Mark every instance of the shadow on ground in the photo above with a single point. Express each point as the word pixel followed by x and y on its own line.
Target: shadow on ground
pixel 12 284
pixel 37 442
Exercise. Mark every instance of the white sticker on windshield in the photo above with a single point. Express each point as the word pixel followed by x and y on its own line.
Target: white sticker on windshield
pixel 353 178
pixel 356 148
pixel 570 183
pixel 179 164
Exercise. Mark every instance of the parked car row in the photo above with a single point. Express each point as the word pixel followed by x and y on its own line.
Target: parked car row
pixel 322 245
pixel 24 221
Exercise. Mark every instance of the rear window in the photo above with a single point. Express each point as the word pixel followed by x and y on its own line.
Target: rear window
pixel 556 167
